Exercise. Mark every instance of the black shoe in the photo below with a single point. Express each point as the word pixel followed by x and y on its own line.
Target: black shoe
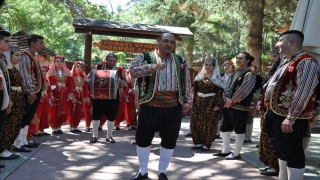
pixel 267 173
pixel 218 137
pixel 247 141
pixel 264 168
pixel 32 145
pixel 110 140
pixel 232 157
pixel 13 156
pixel 93 140
pixel 76 131
pixel 134 142
pixel 100 129
pixel 55 132
pixel 162 176
pixel 37 135
pixel 257 146
pixel 60 131
pixel 44 134
pixel 117 128
pixel 132 128
pixel 139 176
pixel 196 147
pixel 188 135
pixel 2 166
pixel 21 149
pixel 87 129
pixel 221 154
pixel 204 149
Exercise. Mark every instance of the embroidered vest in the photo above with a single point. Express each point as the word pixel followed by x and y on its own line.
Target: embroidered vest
pixel 236 82
pixel 282 93
pixel 36 75
pixel 4 69
pixel 147 84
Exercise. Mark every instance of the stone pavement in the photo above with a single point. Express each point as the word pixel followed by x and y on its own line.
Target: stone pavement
pixel 71 156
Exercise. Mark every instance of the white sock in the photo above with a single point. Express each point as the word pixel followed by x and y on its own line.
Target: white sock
pixel 165 156
pixel 218 130
pixel 295 173
pixel 238 144
pixel 95 126
pixel 18 142
pixel 110 125
pixel 5 153
pixel 24 135
pixel 143 158
pixel 271 170
pixel 198 145
pixel 226 141
pixel 283 173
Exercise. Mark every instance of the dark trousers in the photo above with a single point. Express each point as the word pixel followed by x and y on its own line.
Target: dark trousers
pixel 108 107
pixel 3 112
pixel 166 121
pixel 30 110
pixel 288 145
pixel 234 119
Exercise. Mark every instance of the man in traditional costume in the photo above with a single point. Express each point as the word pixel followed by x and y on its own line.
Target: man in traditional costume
pixel 32 83
pixel 237 95
pixel 104 83
pixel 164 93
pixel 290 99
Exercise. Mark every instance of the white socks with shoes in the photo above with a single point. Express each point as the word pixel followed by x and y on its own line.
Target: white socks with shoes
pixel 238 144
pixel 24 135
pixel 18 142
pixel 226 142
pixel 143 158
pixel 165 156
pixel 110 125
pixel 295 173
pixel 283 173
pixel 95 127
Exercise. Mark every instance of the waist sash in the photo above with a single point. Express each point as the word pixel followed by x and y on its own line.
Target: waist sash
pixel 164 99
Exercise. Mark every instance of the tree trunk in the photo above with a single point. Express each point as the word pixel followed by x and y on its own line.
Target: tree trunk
pixel 254 38
pixel 190 53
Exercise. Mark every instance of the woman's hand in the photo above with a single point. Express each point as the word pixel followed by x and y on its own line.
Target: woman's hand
pixel 216 108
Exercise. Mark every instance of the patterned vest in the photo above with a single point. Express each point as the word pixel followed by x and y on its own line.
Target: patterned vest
pixel 282 93
pixel 4 69
pixel 146 84
pixel 236 82
pixel 35 70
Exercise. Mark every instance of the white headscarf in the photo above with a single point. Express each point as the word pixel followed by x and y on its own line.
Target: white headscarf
pixel 215 77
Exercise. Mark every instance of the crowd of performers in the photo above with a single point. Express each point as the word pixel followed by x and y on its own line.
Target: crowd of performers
pixel 34 97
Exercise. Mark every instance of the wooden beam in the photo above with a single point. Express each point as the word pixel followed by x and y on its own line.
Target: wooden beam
pixel 87 51
pixel 124 34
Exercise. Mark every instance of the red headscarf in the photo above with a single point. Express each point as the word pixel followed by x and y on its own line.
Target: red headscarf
pixel 52 67
pixel 82 73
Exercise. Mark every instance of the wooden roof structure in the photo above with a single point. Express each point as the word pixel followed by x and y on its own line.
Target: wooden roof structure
pixel 111 28
pixel 20 38
pixel 121 29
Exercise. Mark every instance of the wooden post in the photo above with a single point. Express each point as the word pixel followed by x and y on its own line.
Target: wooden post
pixel 87 51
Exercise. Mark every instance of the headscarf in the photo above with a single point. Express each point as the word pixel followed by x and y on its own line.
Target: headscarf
pixel 52 67
pixel 83 73
pixel 8 54
pixel 215 77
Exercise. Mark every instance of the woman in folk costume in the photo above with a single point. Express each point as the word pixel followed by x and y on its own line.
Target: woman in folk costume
pixel 41 120
pixel 82 96
pixel 12 131
pixel 62 87
pixel 130 108
pixel 121 109
pixel 208 89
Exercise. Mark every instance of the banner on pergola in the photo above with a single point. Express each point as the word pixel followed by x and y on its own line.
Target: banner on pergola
pixel 123 46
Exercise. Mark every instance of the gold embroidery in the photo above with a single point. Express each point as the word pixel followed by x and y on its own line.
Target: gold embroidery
pixel 143 87
pixel 286 96
pixel 241 107
pixel 102 81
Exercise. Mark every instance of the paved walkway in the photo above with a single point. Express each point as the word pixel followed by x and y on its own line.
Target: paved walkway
pixel 71 156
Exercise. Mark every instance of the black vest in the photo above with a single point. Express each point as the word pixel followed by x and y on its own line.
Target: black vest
pixel 146 84
pixel 236 82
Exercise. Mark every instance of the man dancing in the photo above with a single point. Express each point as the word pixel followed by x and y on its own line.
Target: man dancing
pixel 164 92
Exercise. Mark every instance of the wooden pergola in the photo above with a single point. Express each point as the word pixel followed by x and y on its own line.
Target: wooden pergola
pixel 121 29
